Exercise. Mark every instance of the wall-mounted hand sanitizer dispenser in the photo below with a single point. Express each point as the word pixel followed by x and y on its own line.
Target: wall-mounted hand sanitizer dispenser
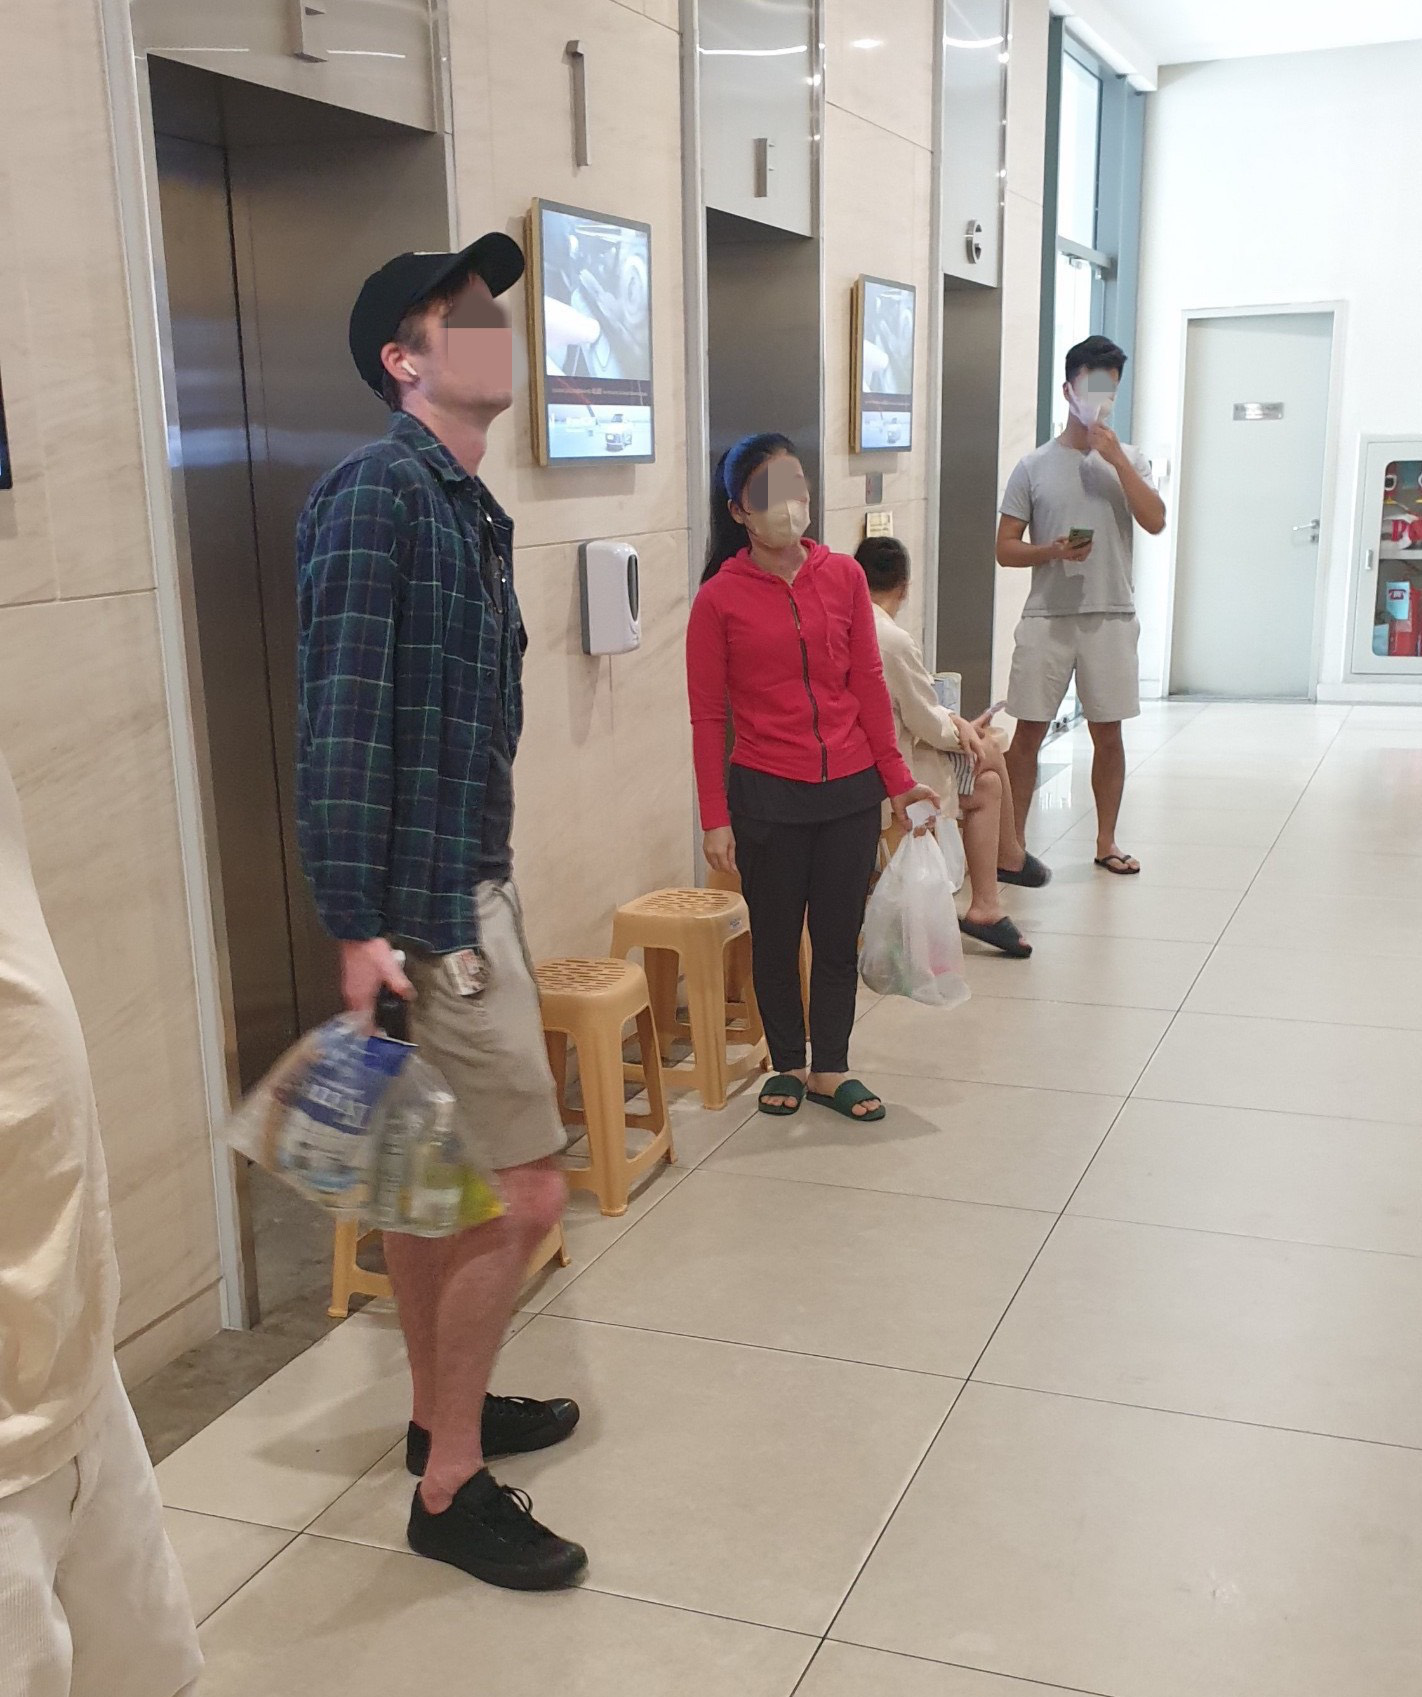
pixel 612 602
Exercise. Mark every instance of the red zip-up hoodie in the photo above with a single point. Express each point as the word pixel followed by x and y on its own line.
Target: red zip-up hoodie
pixel 798 667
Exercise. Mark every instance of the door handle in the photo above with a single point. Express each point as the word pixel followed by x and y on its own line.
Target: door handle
pixel 764 166
pixel 1369 558
pixel 1312 527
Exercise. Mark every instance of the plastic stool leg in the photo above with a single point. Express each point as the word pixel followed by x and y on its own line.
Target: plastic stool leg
pixel 652 1072
pixel 605 1109
pixel 556 1043
pixel 663 968
pixel 706 995
pixel 343 1266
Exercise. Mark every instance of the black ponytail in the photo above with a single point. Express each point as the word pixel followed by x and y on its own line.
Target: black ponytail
pixel 738 466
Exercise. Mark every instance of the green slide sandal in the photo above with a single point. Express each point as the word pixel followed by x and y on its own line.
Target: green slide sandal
pixel 848 1097
pixel 782 1084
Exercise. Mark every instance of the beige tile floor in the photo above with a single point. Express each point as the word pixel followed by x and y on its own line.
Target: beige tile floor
pixel 1093 1369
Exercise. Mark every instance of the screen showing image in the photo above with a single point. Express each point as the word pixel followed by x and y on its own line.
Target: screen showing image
pixel 6 475
pixel 593 336
pixel 885 363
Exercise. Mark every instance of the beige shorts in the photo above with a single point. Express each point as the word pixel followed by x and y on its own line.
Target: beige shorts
pixel 490 1046
pixel 1102 650
pixel 92 1603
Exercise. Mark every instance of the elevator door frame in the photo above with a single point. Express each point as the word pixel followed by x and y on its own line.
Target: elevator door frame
pixel 145 270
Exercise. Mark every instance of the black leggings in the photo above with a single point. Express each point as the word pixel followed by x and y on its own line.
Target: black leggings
pixel 785 871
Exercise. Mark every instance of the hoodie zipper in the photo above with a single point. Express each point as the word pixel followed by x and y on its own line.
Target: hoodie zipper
pixel 809 687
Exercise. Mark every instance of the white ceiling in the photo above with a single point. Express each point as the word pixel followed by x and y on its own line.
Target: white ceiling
pixel 1177 30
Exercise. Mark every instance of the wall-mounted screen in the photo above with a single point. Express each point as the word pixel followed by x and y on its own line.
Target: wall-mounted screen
pixel 881 410
pixel 7 476
pixel 590 312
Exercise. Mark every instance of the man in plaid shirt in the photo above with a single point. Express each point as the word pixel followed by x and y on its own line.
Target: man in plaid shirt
pixel 410 707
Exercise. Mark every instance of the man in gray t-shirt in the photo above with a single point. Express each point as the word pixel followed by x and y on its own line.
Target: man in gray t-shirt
pixel 1080 496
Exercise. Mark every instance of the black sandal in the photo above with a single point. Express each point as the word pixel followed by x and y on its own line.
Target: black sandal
pixel 1002 935
pixel 782 1084
pixel 1123 868
pixel 1031 875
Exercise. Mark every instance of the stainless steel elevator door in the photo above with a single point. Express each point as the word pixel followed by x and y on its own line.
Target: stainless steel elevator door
pixel 274 209
pixel 216 470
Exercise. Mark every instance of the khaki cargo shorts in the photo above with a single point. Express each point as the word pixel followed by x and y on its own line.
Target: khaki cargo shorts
pixel 1102 650
pixel 490 1046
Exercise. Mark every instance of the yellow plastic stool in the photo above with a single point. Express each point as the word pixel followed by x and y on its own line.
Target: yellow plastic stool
pixel 691 933
pixel 592 1002
pixel 349 1278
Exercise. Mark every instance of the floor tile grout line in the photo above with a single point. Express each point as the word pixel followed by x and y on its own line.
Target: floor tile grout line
pixel 893 1512
pixel 869 1190
pixel 1131 1094
pixel 959 1379
pixel 810 1636
pixel 966 1667
pixel 904 1494
pixel 683 1174
pixel 251 1579
pixel 1196 1414
pixel 1242 1236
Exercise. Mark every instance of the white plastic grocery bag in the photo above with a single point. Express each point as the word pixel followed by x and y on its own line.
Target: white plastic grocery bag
pixel 950 840
pixel 911 942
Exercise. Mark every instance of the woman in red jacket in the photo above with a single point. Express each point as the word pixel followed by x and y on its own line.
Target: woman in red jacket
pixel 782 634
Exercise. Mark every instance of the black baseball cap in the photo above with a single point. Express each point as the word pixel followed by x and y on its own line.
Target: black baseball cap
pixel 403 282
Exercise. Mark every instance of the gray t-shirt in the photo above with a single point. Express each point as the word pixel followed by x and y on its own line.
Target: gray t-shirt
pixel 1054 490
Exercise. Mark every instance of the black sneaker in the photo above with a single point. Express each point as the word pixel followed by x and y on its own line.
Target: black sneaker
pixel 489 1531
pixel 512 1425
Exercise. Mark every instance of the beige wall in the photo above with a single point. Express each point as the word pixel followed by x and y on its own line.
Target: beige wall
pixel 877 219
pixel 83 715
pixel 604 774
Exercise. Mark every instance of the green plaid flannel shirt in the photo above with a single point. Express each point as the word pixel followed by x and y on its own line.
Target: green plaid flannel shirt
pixel 400 675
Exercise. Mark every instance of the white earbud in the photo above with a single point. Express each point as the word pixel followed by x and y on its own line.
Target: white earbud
pixel 410 370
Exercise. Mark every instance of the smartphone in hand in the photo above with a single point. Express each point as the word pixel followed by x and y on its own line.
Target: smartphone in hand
pixel 1079 538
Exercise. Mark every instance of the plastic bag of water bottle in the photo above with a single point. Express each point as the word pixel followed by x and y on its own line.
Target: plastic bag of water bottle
pixel 912 946
pixel 357 1122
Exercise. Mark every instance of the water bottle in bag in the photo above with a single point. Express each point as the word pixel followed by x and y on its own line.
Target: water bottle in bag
pixel 425 1183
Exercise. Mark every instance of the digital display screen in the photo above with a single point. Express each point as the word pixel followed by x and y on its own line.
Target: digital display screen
pixel 591 310
pixel 884 325
pixel 7 477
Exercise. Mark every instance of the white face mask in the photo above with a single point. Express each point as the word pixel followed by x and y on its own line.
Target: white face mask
pixel 1091 405
pixel 782 523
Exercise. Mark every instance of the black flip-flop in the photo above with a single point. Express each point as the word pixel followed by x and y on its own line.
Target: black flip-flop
pixel 782 1084
pixel 1002 935
pixel 1120 871
pixel 1031 875
pixel 848 1097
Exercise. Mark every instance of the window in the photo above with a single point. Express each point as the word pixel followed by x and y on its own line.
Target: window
pixel 1091 240
pixel 1091 235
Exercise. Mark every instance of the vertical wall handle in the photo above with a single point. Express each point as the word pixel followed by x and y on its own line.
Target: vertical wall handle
pixel 1369 558
pixel 578 60
pixel 764 165
pixel 309 28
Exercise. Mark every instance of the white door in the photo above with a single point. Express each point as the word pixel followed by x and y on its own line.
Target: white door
pixel 1251 494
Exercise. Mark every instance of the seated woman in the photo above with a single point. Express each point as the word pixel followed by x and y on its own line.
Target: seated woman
pixel 928 732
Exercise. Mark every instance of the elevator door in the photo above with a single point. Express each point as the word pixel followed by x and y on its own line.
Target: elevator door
pixel 236 664
pixel 273 211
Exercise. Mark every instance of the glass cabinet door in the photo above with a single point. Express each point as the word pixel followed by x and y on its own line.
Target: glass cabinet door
pixel 1388 633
